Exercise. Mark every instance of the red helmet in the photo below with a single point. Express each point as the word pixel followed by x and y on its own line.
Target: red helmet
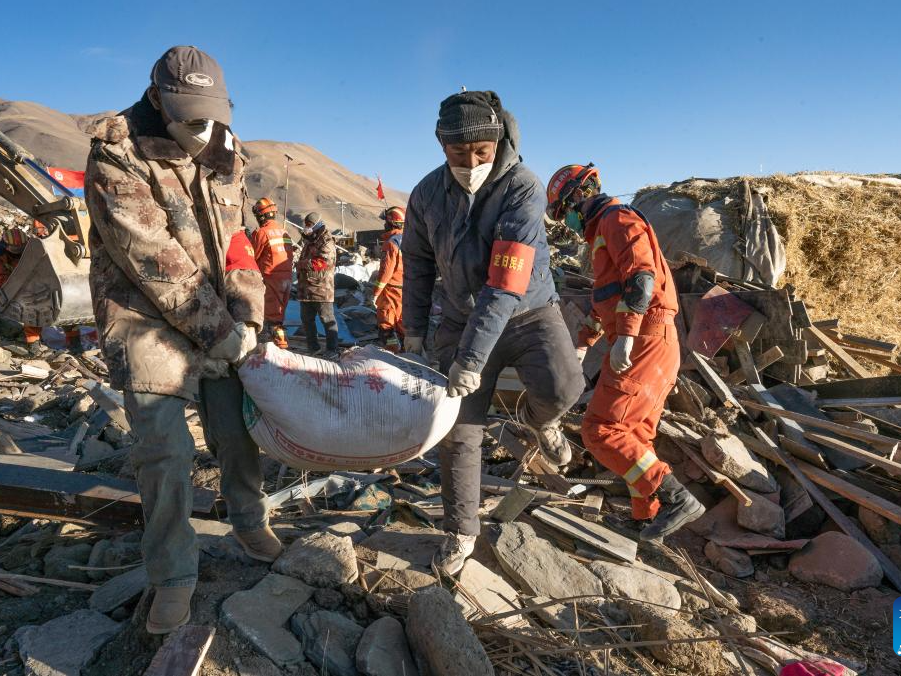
pixel 14 239
pixel 564 183
pixel 395 216
pixel 264 209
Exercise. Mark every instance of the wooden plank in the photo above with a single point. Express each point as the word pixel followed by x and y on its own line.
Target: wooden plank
pixel 183 652
pixel 770 450
pixel 789 427
pixel 594 534
pixel 513 504
pixel 883 463
pixel 748 367
pixel 882 361
pixel 826 323
pixel 850 432
pixel 720 389
pixel 591 508
pixel 860 341
pixel 879 386
pixel 717 315
pixel 80 498
pixel 850 363
pixel 858 402
pixel 768 358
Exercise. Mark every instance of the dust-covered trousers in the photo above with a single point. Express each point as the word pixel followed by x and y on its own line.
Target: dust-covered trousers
pixel 621 421
pixel 389 306
pixel 275 300
pixel 538 345
pixel 325 310
pixel 163 458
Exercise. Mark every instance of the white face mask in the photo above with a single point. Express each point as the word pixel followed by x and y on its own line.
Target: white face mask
pixel 193 137
pixel 472 179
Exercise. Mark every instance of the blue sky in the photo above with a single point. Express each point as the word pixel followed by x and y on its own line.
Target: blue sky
pixel 652 92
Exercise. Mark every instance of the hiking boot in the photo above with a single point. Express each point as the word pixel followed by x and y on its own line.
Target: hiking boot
pixel 36 348
pixel 677 508
pixel 454 551
pixel 171 609
pixel 260 544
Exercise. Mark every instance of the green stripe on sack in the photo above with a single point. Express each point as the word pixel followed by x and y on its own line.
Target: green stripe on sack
pixel 250 412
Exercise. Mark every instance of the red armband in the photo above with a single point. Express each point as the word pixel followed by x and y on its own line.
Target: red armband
pixel 319 264
pixel 510 267
pixel 240 254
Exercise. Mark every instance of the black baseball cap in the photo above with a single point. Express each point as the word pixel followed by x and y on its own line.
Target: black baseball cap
pixel 192 86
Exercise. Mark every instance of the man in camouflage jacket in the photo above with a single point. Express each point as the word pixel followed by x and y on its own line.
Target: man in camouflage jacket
pixel 165 190
pixel 316 283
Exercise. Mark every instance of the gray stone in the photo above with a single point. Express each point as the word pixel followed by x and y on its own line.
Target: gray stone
pixel 64 645
pixel 328 598
pixel 329 641
pixel 730 561
pixel 60 557
pixel 319 559
pixel 492 593
pixel 637 585
pixel 761 516
pixel 442 641
pixel 96 559
pixel 693 597
pixel 259 615
pixel 837 560
pixel 118 590
pixel 730 456
pixel 383 650
pixel 215 539
pixel 881 530
pixel 563 618
pixel 347 529
pixel 538 566
pixel 669 634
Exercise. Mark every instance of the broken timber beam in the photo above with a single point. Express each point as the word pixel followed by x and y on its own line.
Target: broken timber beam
pixel 882 442
pixel 546 474
pixel 885 464
pixel 719 387
pixel 850 363
pixel 768 358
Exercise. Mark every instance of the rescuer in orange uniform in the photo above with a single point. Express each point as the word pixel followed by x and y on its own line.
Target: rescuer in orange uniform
pixel 274 253
pixel 634 304
pixel 388 294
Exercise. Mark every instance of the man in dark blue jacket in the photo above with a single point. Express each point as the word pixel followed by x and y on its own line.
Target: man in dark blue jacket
pixel 477 221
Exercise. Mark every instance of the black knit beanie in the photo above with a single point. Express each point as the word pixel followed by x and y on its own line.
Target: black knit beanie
pixel 468 117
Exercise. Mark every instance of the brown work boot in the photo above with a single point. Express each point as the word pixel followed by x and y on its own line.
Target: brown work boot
pixel 171 609
pixel 260 544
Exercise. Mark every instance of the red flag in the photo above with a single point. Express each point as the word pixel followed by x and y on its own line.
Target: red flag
pixel 380 191
pixel 68 178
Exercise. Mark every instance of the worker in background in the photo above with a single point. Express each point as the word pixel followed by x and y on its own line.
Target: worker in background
pixel 274 252
pixel 478 222
pixel 316 285
pixel 388 294
pixel 165 190
pixel 634 306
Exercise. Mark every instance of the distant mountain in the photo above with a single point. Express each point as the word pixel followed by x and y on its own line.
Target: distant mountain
pixel 316 184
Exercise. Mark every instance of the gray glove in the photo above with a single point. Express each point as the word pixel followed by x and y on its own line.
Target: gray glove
pixel 239 342
pixel 462 382
pixel 214 369
pixel 619 353
pixel 414 345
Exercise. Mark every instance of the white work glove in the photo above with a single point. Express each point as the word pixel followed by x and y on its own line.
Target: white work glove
pixel 214 369
pixel 414 345
pixel 580 354
pixel 462 382
pixel 619 353
pixel 239 342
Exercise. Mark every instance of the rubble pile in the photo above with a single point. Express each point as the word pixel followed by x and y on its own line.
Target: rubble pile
pixel 780 425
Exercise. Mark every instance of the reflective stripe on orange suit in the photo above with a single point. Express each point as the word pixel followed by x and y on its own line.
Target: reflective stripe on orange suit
pixel 621 422
pixel 274 253
pixel 389 294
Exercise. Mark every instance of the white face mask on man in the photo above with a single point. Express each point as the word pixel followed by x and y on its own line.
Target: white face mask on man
pixel 472 179
pixel 192 136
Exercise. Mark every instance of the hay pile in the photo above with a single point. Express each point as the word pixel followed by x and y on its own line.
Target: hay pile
pixel 842 237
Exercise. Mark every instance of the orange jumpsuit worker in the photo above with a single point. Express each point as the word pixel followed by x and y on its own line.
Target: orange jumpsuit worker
pixel 274 252
pixel 634 303
pixel 388 294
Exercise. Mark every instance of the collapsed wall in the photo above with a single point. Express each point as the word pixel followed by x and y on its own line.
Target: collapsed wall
pixel 841 235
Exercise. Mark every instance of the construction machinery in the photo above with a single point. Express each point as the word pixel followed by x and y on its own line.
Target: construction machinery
pixel 49 285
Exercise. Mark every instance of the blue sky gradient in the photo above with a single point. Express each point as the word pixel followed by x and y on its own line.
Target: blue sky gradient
pixel 652 92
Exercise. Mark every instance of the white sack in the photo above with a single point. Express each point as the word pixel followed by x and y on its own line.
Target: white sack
pixel 373 409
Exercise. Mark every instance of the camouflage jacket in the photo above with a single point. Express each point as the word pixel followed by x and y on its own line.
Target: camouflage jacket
pixel 161 223
pixel 316 268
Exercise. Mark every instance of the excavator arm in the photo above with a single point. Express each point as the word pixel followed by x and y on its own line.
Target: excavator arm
pixel 50 283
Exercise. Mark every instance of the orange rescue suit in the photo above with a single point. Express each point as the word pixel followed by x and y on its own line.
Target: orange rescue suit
pixel 389 286
pixel 621 422
pixel 274 253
